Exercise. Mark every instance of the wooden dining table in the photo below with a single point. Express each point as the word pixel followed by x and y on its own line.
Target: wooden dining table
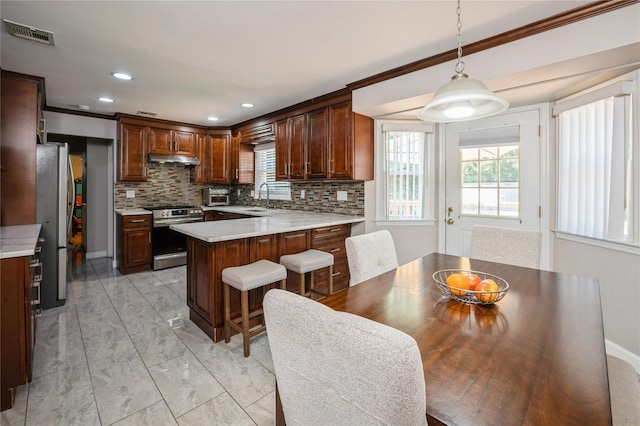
pixel 536 357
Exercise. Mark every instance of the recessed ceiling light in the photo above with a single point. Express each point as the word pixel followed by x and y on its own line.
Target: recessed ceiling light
pixel 212 118
pixel 121 76
pixel 105 99
pixel 247 105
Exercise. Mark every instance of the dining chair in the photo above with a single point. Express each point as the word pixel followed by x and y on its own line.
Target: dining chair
pixel 624 390
pixel 511 246
pixel 370 255
pixel 336 368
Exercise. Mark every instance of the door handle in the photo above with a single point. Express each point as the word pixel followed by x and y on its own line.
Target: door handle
pixel 449 221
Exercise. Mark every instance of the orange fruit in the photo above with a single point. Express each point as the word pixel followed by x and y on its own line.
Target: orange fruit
pixel 487 285
pixel 458 283
pixel 474 280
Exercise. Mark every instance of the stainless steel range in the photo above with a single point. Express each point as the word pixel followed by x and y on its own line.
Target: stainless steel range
pixel 170 247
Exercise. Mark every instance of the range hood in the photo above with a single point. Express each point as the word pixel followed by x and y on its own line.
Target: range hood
pixel 178 159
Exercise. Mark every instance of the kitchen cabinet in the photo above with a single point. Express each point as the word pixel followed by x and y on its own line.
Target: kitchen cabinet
pixel 17 325
pixel 331 240
pixel 291 243
pixel 133 248
pixel 330 142
pixel 316 149
pixel 219 159
pixel 258 133
pixel 165 141
pixel 290 136
pixel 19 122
pixel 132 153
pixel 210 215
pixel 200 172
pixel 350 143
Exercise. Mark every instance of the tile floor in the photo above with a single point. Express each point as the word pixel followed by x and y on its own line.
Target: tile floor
pixel 122 351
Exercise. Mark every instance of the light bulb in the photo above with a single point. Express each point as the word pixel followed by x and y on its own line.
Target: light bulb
pixel 459 109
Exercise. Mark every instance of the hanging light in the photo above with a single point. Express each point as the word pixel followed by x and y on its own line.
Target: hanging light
pixel 462 98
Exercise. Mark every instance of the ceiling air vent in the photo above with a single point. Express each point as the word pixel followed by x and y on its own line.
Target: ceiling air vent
pixel 30 33
pixel 147 113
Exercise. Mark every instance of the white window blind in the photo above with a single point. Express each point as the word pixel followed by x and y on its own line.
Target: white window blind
pixel 595 196
pixel 406 173
pixel 265 172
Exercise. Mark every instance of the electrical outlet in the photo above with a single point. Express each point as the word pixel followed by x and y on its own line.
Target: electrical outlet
pixel 131 194
pixel 342 195
pixel 252 193
pixel 303 193
pixel 238 192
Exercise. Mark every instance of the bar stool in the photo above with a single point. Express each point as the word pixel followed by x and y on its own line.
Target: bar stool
pixel 245 278
pixel 309 261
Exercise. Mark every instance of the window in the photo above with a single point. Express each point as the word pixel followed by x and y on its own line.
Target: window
pixel 597 156
pixel 265 172
pixel 490 172
pixel 405 172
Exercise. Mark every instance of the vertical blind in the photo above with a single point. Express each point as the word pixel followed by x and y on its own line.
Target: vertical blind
pixel 265 171
pixel 592 186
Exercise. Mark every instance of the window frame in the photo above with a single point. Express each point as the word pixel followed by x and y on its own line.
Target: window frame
pixel 429 189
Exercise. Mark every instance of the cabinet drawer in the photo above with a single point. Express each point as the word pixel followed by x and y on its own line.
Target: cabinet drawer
pixel 337 231
pixel 141 221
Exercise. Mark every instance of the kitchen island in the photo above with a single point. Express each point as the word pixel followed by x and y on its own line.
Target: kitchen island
pixel 213 246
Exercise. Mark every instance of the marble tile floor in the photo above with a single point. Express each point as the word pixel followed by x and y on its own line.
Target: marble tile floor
pixel 122 351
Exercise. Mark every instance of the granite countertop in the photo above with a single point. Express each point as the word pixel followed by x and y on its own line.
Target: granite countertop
pixel 130 212
pixel 18 240
pixel 270 222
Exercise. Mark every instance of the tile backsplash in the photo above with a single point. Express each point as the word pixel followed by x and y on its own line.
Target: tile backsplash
pixel 170 184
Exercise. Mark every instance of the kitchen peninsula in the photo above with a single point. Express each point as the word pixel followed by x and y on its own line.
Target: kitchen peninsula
pixel 213 246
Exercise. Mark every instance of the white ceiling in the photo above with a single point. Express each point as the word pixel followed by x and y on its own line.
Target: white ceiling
pixel 191 60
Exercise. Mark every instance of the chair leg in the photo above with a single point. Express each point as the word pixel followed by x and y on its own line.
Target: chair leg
pixel 302 285
pixel 245 321
pixel 227 314
pixel 330 280
pixel 283 284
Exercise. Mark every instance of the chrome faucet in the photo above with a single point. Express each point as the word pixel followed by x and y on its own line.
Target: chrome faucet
pixel 260 194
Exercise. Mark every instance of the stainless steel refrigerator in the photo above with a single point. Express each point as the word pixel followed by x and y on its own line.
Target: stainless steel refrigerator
pixel 54 191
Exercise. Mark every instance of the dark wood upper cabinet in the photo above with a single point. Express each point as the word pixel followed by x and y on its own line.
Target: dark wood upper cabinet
pixel 132 153
pixel 219 170
pixel 200 172
pixel 317 143
pixel 172 142
pixel 341 141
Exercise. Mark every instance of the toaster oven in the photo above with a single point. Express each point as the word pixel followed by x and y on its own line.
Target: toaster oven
pixel 215 197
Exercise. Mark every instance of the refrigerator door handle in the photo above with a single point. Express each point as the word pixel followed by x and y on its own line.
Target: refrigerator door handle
pixel 72 190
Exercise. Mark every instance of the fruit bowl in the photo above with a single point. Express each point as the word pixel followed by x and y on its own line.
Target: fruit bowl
pixel 466 295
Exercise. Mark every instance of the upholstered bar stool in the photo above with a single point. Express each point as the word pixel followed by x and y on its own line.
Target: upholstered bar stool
pixel 245 278
pixel 309 261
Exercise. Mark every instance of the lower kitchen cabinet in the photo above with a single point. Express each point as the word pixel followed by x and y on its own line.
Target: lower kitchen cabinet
pixel 331 239
pixel 17 323
pixel 133 248
pixel 205 262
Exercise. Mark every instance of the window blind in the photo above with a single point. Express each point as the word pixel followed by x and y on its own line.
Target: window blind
pixel 265 172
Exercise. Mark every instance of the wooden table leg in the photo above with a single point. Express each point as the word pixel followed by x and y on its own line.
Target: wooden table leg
pixel 279 413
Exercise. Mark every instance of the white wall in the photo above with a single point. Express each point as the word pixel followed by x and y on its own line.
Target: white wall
pixel 100 176
pixel 619 273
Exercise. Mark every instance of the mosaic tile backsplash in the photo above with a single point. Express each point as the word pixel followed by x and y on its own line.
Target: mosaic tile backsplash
pixel 170 184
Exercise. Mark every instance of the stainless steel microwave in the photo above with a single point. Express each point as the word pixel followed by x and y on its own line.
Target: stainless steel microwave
pixel 215 197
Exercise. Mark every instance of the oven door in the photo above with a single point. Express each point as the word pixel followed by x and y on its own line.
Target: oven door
pixel 169 247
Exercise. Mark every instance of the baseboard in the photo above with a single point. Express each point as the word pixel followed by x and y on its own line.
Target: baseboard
pixel 622 353
pixel 96 254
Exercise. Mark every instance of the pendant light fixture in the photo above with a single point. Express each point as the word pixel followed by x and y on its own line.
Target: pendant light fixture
pixel 462 98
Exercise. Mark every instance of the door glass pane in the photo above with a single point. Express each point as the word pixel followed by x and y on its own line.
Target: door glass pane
pixel 490 181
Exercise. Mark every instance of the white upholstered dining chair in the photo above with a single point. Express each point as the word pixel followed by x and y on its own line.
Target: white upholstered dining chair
pixel 624 390
pixel 336 368
pixel 370 255
pixel 511 246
